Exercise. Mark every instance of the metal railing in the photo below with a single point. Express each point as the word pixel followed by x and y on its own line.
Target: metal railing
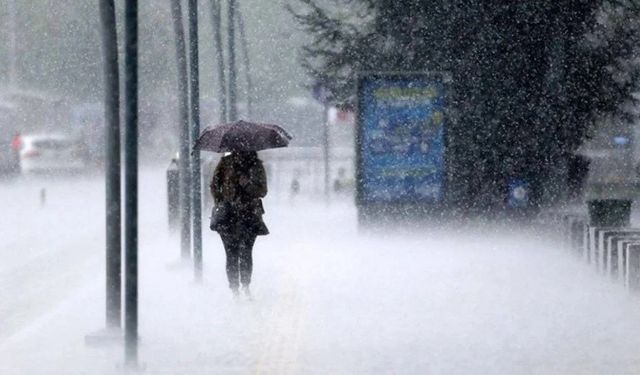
pixel 613 252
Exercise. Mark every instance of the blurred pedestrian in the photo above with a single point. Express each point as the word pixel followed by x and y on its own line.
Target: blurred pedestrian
pixel 16 145
pixel 339 184
pixel 238 184
pixel 294 188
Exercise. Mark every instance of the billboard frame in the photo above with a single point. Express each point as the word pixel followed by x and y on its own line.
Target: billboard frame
pixel 368 208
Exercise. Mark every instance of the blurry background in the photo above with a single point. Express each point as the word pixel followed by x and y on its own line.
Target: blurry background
pixel 57 72
pixel 51 82
pixel 542 91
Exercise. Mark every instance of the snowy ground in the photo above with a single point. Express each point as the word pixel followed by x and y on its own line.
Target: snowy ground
pixel 327 299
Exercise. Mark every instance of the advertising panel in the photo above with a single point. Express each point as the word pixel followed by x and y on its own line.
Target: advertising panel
pixel 401 138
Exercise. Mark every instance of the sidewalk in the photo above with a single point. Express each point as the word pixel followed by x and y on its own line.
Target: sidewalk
pixel 328 301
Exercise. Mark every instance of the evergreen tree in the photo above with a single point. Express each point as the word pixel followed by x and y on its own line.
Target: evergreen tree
pixel 529 78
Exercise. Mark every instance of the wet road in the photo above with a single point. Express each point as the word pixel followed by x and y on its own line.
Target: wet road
pixel 327 299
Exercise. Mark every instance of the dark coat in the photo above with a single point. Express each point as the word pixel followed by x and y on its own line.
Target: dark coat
pixel 240 181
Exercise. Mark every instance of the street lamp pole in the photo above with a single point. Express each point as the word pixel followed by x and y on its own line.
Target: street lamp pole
pixel 247 66
pixel 183 114
pixel 232 92
pixel 216 23
pixel 196 193
pixel 325 151
pixel 131 182
pixel 112 164
pixel 13 43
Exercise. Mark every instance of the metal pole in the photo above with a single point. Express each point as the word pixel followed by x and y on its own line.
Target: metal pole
pixel 112 164
pixel 216 23
pixel 233 109
pixel 325 149
pixel 131 182
pixel 183 114
pixel 247 65
pixel 13 44
pixel 196 194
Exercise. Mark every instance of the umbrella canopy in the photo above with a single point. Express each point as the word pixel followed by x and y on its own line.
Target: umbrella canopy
pixel 242 136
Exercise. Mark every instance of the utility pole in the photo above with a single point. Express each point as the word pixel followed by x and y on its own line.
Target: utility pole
pixel 324 96
pixel 183 114
pixel 196 195
pixel 325 149
pixel 247 66
pixel 13 43
pixel 112 164
pixel 233 109
pixel 131 182
pixel 216 23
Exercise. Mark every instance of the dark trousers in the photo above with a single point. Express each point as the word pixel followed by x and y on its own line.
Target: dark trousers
pixel 239 258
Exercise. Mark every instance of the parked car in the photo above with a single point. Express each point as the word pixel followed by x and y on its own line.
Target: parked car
pixel 49 153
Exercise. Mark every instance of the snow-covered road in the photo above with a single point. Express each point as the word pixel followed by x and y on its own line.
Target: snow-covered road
pixel 328 300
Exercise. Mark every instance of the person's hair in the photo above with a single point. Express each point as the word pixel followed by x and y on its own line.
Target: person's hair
pixel 246 157
pixel 246 154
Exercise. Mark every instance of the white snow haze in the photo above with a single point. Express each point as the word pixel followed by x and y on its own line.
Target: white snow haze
pixel 327 298
pixel 491 114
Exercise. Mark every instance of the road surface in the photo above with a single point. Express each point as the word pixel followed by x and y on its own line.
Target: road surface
pixel 327 298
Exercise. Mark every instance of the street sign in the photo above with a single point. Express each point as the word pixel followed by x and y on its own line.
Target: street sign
pixel 518 193
pixel 320 93
pixel 341 117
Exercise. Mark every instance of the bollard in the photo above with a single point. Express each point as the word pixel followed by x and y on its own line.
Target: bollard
pixel 577 230
pixel 585 242
pixel 632 273
pixel 600 248
pixel 565 234
pixel 603 244
pixel 614 256
pixel 597 254
pixel 43 197
pixel 593 251
pixel 603 247
pixel 623 260
pixel 173 194
pixel 571 225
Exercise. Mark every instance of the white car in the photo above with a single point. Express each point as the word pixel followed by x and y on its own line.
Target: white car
pixel 49 153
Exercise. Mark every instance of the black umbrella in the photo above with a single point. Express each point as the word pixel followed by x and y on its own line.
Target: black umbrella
pixel 242 136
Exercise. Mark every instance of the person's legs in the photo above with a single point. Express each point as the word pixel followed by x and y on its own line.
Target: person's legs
pixel 232 249
pixel 246 259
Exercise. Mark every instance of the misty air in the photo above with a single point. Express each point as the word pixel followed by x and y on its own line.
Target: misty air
pixel 319 187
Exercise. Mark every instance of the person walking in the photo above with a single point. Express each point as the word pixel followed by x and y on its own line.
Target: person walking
pixel 238 184
pixel 16 145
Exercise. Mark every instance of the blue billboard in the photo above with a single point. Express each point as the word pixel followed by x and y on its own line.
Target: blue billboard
pixel 401 138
